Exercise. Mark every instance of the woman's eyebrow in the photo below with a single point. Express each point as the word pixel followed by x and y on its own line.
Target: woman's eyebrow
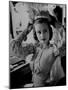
pixel 44 30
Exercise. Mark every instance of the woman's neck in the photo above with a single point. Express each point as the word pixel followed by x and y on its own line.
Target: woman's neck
pixel 43 45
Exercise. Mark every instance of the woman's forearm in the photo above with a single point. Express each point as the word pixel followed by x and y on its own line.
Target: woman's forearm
pixel 23 35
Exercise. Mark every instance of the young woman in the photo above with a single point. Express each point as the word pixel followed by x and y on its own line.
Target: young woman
pixel 46 60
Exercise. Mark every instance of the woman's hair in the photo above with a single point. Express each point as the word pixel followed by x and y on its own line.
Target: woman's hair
pixel 41 21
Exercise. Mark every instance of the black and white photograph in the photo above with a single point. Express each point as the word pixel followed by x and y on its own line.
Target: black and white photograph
pixel 37 44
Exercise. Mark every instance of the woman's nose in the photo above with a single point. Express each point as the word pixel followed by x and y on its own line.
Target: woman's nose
pixel 42 35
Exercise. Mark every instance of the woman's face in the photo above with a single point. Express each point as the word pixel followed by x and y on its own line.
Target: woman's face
pixel 42 32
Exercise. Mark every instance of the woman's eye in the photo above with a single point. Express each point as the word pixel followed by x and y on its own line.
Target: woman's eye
pixel 39 32
pixel 45 31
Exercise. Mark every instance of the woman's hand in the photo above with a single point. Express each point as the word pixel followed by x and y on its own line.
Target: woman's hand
pixel 14 44
pixel 16 47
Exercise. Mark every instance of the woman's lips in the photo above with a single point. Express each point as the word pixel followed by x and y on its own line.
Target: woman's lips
pixel 43 39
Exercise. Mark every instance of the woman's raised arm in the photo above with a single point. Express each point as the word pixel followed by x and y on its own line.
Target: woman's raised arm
pixel 17 47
